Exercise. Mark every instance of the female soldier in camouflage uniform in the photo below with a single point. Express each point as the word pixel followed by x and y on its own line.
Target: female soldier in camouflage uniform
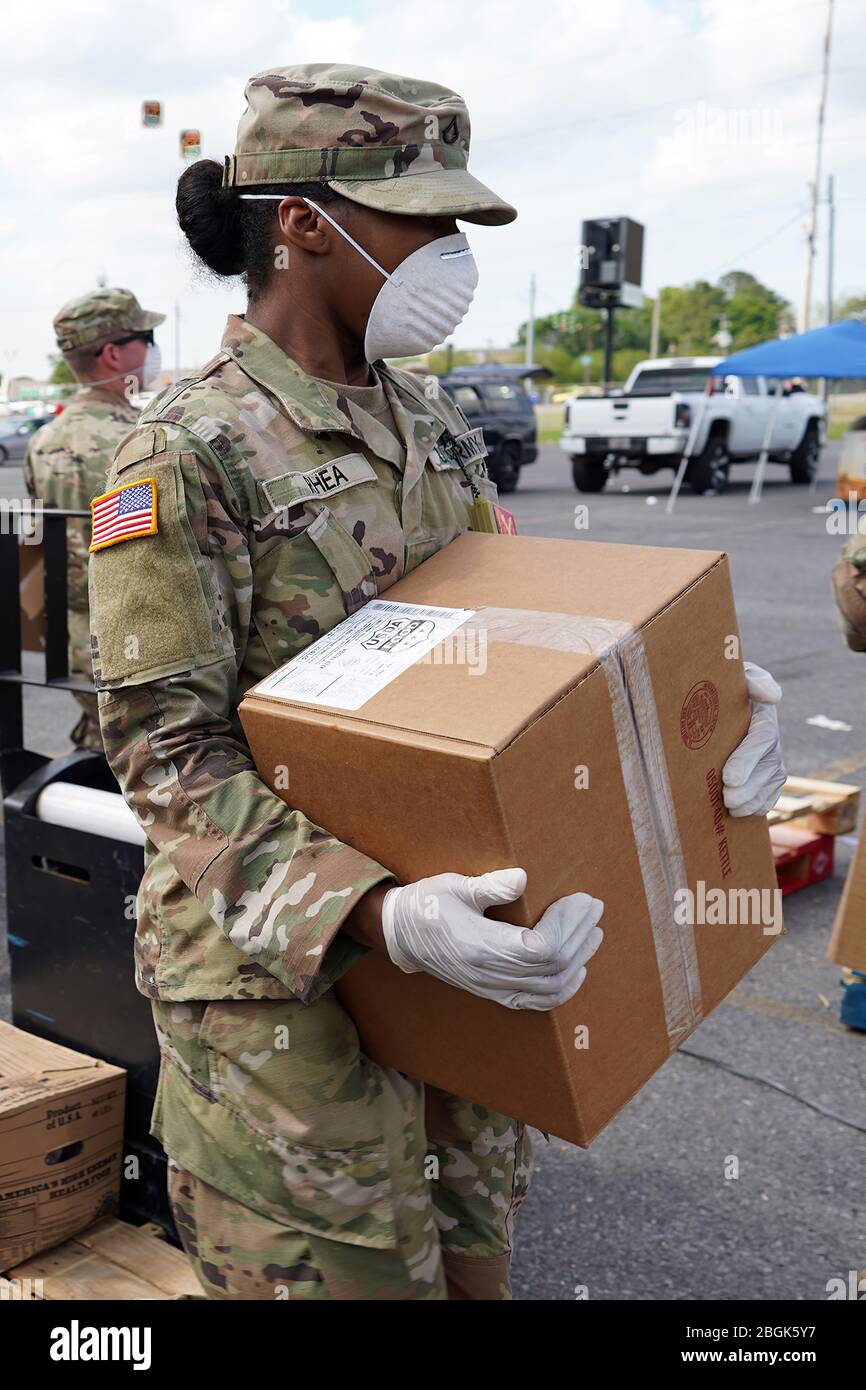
pixel 255 506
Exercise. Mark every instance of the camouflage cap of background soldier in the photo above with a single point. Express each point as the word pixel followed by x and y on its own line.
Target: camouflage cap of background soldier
pixel 102 314
pixel 389 142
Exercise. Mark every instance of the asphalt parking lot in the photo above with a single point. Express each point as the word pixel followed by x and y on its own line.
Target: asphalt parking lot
pixel 646 1212
pixel 771 1077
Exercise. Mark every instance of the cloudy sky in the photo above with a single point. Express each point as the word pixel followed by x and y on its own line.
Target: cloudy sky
pixel 696 118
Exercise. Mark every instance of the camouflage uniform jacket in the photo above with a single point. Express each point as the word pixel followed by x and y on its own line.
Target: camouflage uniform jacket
pixel 849 585
pixel 282 507
pixel 67 463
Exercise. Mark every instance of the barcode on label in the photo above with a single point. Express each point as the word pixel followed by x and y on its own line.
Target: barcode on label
pixel 417 610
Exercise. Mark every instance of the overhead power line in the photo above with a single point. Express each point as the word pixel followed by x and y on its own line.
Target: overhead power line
pixel 741 255
pixel 607 115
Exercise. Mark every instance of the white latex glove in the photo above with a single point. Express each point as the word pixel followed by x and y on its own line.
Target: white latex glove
pixel 437 925
pixel 754 774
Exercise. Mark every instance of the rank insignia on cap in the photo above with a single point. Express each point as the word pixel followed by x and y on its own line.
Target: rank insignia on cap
pixel 123 514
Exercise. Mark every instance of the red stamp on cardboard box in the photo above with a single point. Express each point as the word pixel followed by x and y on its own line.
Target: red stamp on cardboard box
pixel 699 714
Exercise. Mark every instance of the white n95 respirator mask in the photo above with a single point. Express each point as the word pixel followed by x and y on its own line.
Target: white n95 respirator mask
pixel 422 301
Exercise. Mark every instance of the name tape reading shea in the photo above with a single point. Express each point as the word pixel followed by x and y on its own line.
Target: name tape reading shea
pixel 359 657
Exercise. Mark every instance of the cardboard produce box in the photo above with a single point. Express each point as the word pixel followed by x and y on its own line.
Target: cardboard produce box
pixel 61 1141
pixel 574 720
pixel 31 586
pixel 848 940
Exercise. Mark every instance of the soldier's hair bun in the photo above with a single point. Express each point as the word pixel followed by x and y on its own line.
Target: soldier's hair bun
pixel 233 237
pixel 210 218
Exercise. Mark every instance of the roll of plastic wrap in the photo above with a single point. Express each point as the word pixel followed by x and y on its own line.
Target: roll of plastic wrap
pixel 86 808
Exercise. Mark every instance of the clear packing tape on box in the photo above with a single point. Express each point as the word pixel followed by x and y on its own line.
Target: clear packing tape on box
pixel 622 655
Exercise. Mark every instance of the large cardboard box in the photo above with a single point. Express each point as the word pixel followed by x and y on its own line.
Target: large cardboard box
pixel 61 1141
pixel 848 939
pixel 575 724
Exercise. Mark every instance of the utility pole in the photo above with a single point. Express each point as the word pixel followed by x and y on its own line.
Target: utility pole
pixel 608 346
pixel 530 331
pixel 656 325
pixel 831 231
pixel 10 356
pixel 811 232
pixel 831 228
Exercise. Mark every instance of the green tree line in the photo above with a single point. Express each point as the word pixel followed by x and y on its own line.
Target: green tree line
pixel 691 318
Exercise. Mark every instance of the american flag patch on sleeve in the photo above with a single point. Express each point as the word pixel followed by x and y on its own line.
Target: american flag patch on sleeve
pixel 123 514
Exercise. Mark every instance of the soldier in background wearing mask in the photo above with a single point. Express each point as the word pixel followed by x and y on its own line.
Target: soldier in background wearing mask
pixel 106 339
pixel 294 477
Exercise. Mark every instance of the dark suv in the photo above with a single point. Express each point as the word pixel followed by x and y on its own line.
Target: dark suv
pixel 495 398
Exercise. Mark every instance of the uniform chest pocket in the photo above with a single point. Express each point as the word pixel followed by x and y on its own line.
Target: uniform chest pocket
pixel 347 560
pixel 304 504
pixel 310 571
pixel 447 495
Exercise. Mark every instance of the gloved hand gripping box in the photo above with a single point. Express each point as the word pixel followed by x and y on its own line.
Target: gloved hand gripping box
pixel 566 707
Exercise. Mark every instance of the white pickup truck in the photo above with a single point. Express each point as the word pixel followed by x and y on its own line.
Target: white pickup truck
pixel 648 424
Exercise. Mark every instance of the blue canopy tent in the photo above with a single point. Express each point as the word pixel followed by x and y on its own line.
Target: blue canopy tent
pixel 837 350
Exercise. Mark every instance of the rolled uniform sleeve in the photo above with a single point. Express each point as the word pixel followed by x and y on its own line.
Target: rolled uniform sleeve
pixel 849 589
pixel 170 616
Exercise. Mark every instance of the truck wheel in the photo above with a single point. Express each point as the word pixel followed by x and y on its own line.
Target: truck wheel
pixel 709 471
pixel 590 475
pixel 806 457
pixel 505 470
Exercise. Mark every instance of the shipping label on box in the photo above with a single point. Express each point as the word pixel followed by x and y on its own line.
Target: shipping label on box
pixel 359 657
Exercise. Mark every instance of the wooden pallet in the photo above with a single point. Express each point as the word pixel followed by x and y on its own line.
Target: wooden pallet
pixel 109 1260
pixel 827 808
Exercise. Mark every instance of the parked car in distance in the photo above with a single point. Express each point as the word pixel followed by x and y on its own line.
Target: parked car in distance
pixel 16 432
pixel 648 424
pixel 494 397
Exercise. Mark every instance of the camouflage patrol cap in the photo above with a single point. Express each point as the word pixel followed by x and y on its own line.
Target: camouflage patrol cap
pixel 102 314
pixel 389 142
